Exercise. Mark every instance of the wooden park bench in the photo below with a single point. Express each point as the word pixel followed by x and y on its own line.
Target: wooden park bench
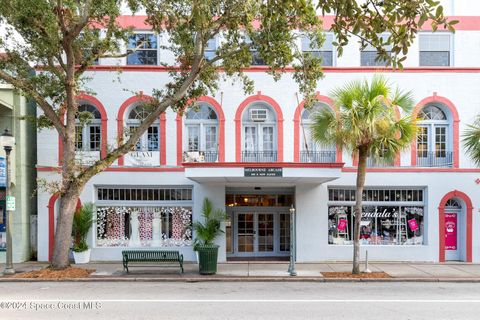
pixel 154 256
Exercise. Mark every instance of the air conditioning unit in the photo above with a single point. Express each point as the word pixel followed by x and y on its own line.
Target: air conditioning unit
pixel 258 115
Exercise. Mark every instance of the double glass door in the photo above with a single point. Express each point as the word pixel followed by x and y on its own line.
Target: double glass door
pixel 261 233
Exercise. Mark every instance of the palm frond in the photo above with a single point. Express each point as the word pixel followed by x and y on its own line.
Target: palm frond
pixel 471 140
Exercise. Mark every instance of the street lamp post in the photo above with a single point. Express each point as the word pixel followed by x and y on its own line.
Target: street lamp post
pixel 291 267
pixel 7 140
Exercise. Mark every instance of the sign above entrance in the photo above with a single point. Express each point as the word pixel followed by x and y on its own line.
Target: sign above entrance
pixel 263 172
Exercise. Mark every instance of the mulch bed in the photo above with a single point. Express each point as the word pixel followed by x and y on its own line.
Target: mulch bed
pixel 359 276
pixel 48 273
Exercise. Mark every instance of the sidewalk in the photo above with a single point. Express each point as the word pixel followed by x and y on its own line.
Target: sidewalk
pixel 271 271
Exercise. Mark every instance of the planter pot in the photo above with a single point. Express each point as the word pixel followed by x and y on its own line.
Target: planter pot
pixel 82 257
pixel 207 259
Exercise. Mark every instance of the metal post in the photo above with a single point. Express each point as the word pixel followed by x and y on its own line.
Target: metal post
pixel 291 267
pixel 9 260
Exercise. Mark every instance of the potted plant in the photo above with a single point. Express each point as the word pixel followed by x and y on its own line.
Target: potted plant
pixel 205 233
pixel 82 222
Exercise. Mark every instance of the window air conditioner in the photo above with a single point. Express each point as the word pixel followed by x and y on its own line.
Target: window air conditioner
pixel 258 115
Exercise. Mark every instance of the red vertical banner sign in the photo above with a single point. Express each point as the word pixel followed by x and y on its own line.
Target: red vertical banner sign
pixel 450 231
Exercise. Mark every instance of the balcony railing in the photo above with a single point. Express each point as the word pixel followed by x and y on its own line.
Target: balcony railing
pixel 200 156
pixel 435 159
pixel 318 156
pixel 374 163
pixel 259 156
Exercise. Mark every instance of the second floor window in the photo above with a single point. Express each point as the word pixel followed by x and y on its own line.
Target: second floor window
pixel 88 128
pixel 259 124
pixel 434 49
pixel 368 56
pixel 325 52
pixel 201 124
pixel 150 140
pixel 433 138
pixel 142 49
pixel 311 150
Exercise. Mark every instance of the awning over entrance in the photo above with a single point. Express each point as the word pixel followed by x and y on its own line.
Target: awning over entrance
pixel 265 173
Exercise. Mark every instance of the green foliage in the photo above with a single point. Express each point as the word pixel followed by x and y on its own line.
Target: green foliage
pixel 471 140
pixel 367 117
pixel 207 230
pixel 401 19
pixel 82 222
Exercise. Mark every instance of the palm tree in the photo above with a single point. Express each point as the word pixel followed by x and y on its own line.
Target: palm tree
pixel 471 140
pixel 366 123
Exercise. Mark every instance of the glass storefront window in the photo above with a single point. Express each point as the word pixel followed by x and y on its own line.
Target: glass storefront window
pixel 380 225
pixel 120 226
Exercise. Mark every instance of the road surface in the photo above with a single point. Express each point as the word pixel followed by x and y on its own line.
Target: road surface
pixel 239 300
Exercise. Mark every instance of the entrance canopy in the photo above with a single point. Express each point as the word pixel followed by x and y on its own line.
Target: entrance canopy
pixel 280 173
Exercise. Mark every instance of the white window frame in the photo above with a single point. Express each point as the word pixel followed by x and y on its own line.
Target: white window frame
pixel 439 33
pixel 370 48
pixel 334 49
pixel 259 128
pixel 431 134
pixel 202 125
pixel 143 141
pixel 157 49
pixel 85 131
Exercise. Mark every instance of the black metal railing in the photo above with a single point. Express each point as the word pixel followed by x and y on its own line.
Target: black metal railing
pixel 435 159
pixel 259 156
pixel 372 162
pixel 318 156
pixel 200 156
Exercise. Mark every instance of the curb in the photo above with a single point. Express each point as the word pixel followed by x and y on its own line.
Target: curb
pixel 244 279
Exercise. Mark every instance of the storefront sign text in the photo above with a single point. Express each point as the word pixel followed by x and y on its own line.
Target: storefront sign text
pixel 263 172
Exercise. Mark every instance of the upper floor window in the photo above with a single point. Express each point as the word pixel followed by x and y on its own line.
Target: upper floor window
pixel 201 143
pixel 142 49
pixel 434 49
pixel 368 56
pixel 259 124
pixel 210 49
pixel 311 150
pixel 88 128
pixel 256 59
pixel 434 137
pixel 150 140
pixel 325 52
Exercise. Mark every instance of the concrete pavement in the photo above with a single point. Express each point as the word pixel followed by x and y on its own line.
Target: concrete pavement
pixel 254 271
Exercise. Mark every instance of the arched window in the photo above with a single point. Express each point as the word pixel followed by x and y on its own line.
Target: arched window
pixel 201 140
pixel 259 134
pixel 150 140
pixel 310 150
pixel 88 128
pixel 434 142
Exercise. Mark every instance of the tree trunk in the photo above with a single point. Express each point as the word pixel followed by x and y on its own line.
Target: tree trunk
pixel 63 231
pixel 361 171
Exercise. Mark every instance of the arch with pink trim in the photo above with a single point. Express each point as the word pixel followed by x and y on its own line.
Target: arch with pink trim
pixel 120 123
pixel 259 97
pixel 452 110
pixel 221 128
pixel 467 241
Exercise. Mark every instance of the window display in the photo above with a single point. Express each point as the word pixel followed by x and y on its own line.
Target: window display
pixel 119 226
pixel 380 225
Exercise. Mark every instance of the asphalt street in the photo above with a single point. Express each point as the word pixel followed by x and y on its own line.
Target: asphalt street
pixel 239 300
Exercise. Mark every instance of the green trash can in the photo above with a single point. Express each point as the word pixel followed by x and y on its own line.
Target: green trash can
pixel 207 259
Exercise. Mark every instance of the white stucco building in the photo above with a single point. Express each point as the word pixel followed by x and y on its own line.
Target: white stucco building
pixel 252 155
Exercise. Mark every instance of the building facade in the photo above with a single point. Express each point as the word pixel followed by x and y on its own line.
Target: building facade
pixel 254 156
pixel 14 111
